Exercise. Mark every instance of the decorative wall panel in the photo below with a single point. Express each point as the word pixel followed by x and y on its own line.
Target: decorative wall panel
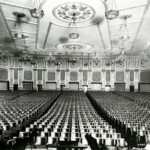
pixel 51 86
pixel 127 63
pixel 16 74
pixel 27 86
pixel 73 76
pixel 3 74
pixel 107 75
pixel 96 76
pixel 96 86
pixel 131 75
pixel 120 64
pixel 28 75
pixel 74 65
pixel 28 64
pixel 96 63
pixel 3 85
pixel 145 87
pixel 119 87
pixel 50 65
pixel 85 75
pixel 73 86
pixel 16 62
pixel 40 62
pixel 51 76
pixel 120 76
pixel 62 75
pixel 145 76
pixel 4 63
pixel 39 74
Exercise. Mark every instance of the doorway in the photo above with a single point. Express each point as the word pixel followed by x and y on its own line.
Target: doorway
pixel 131 88
pixel 15 87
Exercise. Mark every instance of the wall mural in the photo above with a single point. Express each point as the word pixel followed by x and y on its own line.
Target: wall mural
pixel 51 76
pixel 73 76
pixel 96 76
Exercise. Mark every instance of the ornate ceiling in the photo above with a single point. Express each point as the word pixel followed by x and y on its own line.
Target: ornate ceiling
pixel 50 35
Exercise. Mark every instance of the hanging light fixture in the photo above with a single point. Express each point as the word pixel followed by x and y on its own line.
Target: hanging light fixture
pixel 87 61
pixel 37 12
pixel 111 10
pixel 18 16
pixel 125 35
pixel 58 62
pixel 73 34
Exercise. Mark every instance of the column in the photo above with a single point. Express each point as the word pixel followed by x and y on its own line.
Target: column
pixel 89 79
pixel 35 79
pixel 11 79
pixel 127 80
pixel 44 79
pixel 103 79
pixel 136 79
pixel 58 79
pixel 20 72
pixel 80 79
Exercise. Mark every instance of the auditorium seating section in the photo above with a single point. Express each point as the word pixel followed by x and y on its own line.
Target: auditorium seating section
pixel 45 117
pixel 70 118
pixel 138 97
pixel 126 113
pixel 18 109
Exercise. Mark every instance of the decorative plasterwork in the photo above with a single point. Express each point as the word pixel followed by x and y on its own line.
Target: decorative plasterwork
pixel 78 46
pixel 73 12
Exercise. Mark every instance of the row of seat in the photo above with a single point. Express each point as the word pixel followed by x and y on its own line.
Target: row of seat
pixel 125 115
pixel 71 117
pixel 22 110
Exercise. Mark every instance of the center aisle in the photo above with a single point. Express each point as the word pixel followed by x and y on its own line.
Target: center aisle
pixel 71 117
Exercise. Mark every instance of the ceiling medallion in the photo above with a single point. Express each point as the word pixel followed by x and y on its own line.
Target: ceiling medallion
pixel 73 12
pixel 74 46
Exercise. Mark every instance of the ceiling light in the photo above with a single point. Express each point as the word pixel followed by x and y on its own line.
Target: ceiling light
pixel 18 14
pixel 73 35
pixel 112 14
pixel 20 36
pixel 36 13
pixel 124 28
pixel 111 10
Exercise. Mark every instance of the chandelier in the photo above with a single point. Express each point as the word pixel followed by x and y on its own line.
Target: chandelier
pixel 37 11
pixel 18 27
pixel 87 61
pixel 111 10
pixel 74 34
pixel 58 62
pixel 125 35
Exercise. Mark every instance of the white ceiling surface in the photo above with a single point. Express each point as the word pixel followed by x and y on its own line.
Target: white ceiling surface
pixel 104 35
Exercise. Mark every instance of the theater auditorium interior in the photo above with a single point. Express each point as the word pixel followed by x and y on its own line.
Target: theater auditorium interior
pixel 75 75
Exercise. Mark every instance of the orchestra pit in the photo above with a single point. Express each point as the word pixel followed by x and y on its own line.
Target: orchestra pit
pixel 75 75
